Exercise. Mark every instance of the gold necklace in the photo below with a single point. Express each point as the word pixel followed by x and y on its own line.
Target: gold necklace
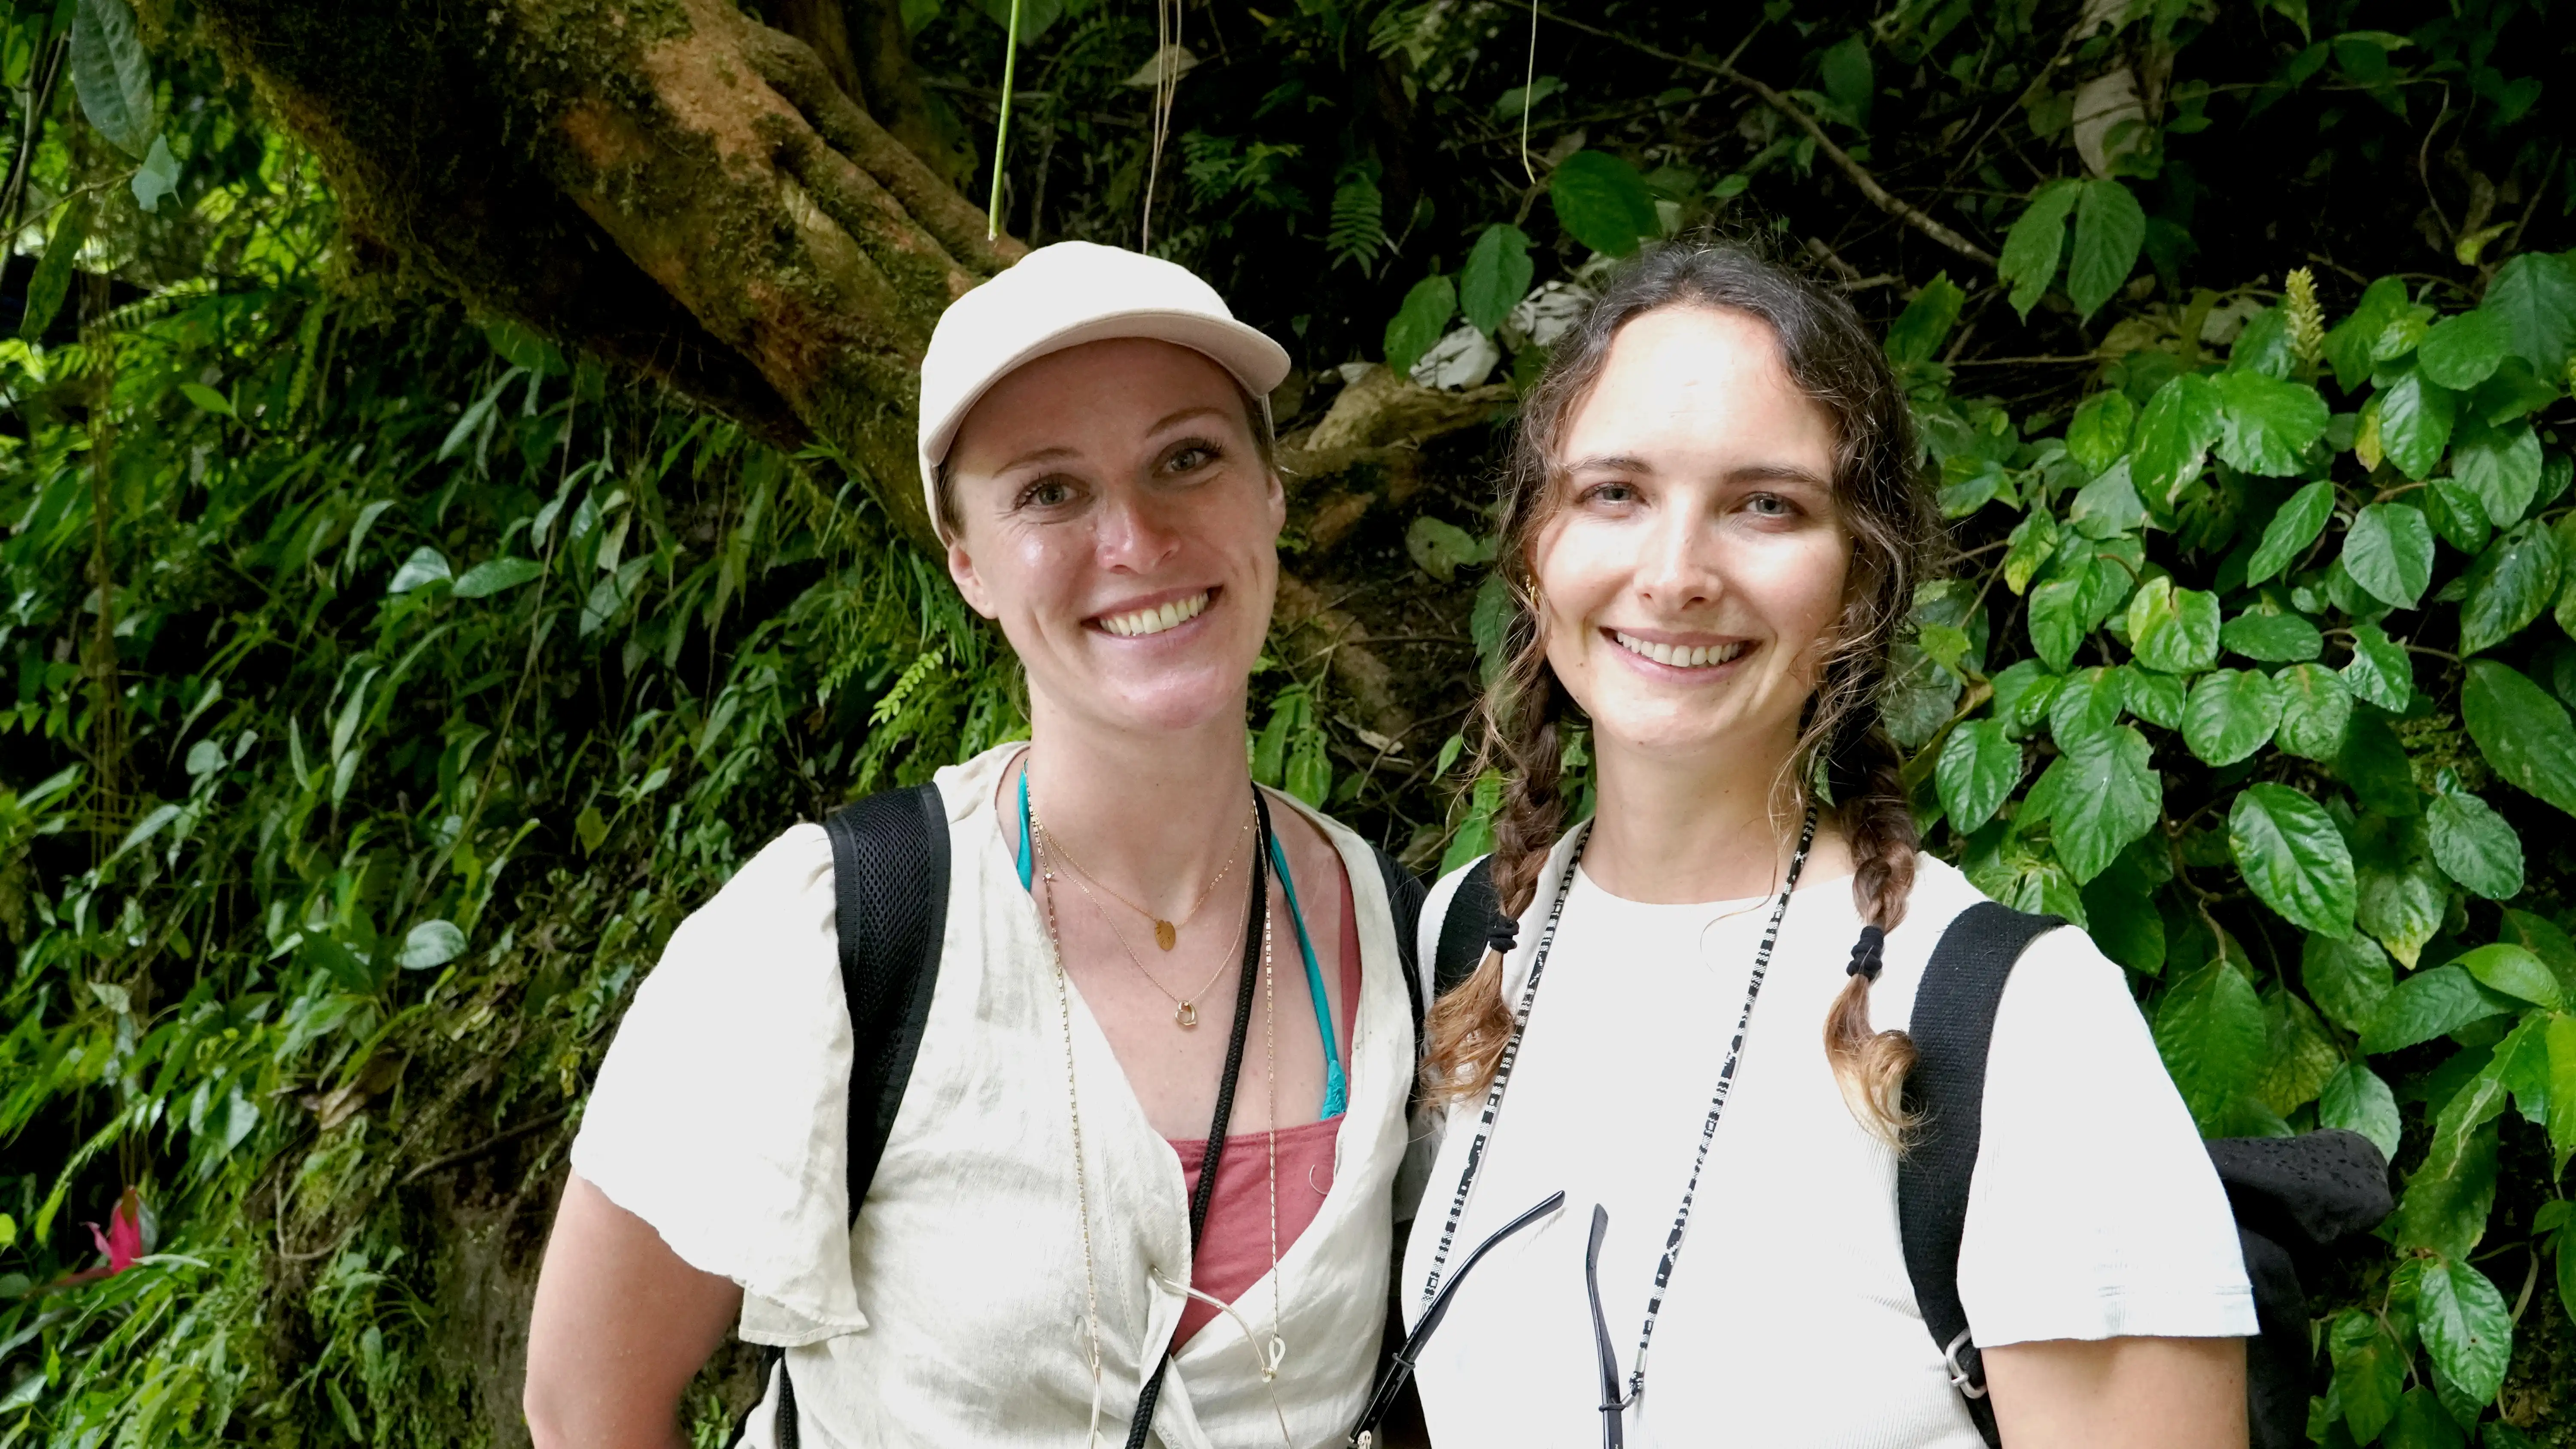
pixel 1081 1178
pixel 1185 1010
pixel 1167 934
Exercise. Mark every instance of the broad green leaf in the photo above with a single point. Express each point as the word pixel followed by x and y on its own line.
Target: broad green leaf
pixel 1918 332
pixel 2231 714
pixel 1496 277
pixel 1475 835
pixel 2466 1327
pixel 111 74
pixel 2543 939
pixel 2266 423
pixel 2356 1100
pixel 2033 245
pixel 2107 506
pixel 2374 763
pixel 2211 1033
pixel 425 566
pixel 1419 322
pixel 493 575
pixel 52 278
pixel 2175 630
pixel 2159 699
pixel 157 177
pixel 2474 845
pixel 2351 344
pixel 1603 203
pixel 2422 1423
pixel 2415 415
pixel 2562 1115
pixel 2023 694
pixel 1978 768
pixel 1441 548
pixel 2316 710
pixel 2294 526
pixel 2099 432
pixel 431 943
pixel 2298 1059
pixel 2522 732
pixel 2429 1004
pixel 2449 1194
pixel 2457 513
pixel 2347 977
pixel 2107 796
pixel 207 399
pixel 2379 670
pixel 2086 708
pixel 2515 972
pixel 2273 638
pixel 2120 915
pixel 2462 351
pixel 1849 78
pixel 2179 426
pixel 2293 856
pixel 2390 553
pixel 2500 464
pixel 2369 1373
pixel 2535 294
pixel 2508 586
pixel 2033 541
pixel 2057 625
pixel 2110 227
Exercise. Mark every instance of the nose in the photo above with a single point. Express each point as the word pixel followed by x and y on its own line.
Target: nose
pixel 1134 535
pixel 1677 560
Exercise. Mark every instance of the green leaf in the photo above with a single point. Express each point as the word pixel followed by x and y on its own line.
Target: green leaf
pixel 2422 1423
pixel 1419 322
pixel 1496 277
pixel 2086 708
pixel 2107 506
pixel 2500 464
pixel 425 566
pixel 2415 415
pixel 2159 699
pixel 2031 248
pixel 2099 432
pixel 2450 1193
pixel 2474 845
pixel 2369 1372
pixel 2057 626
pixel 2374 764
pixel 2231 714
pixel 2316 711
pixel 2466 1327
pixel 2562 1124
pixel 2522 732
pixel 1603 203
pixel 431 943
pixel 111 74
pixel 493 575
pixel 52 278
pixel 2347 977
pixel 2462 351
pixel 2543 939
pixel 1849 79
pixel 2535 294
pixel 2298 1059
pixel 2390 553
pixel 2515 972
pixel 156 178
pixel 2508 586
pixel 2293 856
pixel 1918 332
pixel 2356 1100
pixel 1309 776
pixel 2211 1033
pixel 207 399
pixel 1978 768
pixel 2181 423
pixel 2033 540
pixel 2294 526
pixel 2267 424
pixel 2379 670
pixel 2273 638
pixel 2120 915
pixel 2457 513
pixel 2402 906
pixel 2350 346
pixel 2431 1004
pixel 2110 226
pixel 1475 835
pixel 2108 796
pixel 1441 548
pixel 2175 630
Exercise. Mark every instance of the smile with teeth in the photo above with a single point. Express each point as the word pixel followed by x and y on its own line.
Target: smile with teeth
pixel 1137 623
pixel 1681 656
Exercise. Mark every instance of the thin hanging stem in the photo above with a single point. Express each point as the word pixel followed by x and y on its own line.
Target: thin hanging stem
pixel 1002 132
pixel 1167 83
pixel 1529 99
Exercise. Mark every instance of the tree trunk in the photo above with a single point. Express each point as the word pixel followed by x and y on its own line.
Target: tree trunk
pixel 665 182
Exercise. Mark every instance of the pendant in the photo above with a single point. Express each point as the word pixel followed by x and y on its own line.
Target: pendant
pixel 1166 935
pixel 1188 1015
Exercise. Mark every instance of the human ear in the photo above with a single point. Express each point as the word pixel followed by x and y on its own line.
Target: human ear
pixel 1278 500
pixel 961 568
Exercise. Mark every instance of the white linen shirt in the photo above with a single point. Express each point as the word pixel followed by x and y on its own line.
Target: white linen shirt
pixel 953 1312
pixel 2094 1212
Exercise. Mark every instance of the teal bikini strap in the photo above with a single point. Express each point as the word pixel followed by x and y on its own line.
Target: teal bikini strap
pixel 1337 1090
pixel 1028 861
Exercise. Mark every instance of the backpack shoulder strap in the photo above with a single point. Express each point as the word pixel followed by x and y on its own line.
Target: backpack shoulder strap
pixel 890 900
pixel 1953 1026
pixel 1404 901
pixel 1469 920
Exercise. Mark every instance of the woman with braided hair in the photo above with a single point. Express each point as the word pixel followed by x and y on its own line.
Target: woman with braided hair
pixel 1712 529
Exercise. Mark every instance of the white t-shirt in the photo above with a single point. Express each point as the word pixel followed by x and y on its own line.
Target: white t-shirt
pixel 2094 1212
pixel 953 1312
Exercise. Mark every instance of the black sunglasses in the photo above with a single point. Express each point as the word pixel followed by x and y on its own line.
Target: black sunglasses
pixel 1614 1405
pixel 1400 1371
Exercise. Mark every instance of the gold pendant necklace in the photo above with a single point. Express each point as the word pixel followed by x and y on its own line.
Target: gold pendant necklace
pixel 1167 934
pixel 1185 1009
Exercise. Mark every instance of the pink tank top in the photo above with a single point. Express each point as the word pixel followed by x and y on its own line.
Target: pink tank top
pixel 1234 1252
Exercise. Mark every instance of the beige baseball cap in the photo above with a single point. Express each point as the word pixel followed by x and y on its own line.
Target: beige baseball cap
pixel 1063 295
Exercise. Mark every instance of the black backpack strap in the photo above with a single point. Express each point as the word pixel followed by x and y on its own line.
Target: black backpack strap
pixel 1953 1026
pixel 1404 902
pixel 1463 931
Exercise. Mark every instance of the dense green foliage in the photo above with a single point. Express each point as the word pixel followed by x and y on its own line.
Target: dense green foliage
pixel 389 682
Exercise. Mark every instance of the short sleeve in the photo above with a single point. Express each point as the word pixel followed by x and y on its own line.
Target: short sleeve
pixel 720 1114
pixel 2095 1211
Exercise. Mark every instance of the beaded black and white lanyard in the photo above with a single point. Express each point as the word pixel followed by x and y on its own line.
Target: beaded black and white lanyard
pixel 1708 1129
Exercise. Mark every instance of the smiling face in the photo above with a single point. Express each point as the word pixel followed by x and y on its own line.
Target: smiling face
pixel 1694 565
pixel 1116 519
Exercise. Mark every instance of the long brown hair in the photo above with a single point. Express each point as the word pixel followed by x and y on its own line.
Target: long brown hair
pixel 1831 356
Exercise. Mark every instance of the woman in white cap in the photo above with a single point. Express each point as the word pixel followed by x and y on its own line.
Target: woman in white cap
pixel 1095 446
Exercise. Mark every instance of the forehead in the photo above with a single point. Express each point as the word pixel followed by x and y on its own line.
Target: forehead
pixel 1696 380
pixel 1094 393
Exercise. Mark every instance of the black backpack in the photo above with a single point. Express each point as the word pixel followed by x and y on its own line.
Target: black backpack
pixel 2292 1196
pixel 890 903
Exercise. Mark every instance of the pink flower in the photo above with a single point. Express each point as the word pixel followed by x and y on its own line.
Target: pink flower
pixel 123 1240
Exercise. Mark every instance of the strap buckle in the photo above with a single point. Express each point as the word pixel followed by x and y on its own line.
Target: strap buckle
pixel 1962 1379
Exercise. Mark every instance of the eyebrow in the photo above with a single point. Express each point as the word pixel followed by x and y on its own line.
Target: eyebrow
pixel 1749 473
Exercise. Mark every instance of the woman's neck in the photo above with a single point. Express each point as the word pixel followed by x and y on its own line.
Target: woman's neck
pixel 1152 816
pixel 1712 825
